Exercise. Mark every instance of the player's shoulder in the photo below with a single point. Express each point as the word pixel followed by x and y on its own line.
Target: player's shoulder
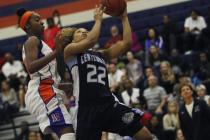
pixel 32 40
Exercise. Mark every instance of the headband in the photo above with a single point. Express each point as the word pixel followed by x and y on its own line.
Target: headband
pixel 25 18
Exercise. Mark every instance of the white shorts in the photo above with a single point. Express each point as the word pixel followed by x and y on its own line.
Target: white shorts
pixel 42 100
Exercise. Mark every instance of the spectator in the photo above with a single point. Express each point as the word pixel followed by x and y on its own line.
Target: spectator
pixel 193 26
pixel 176 61
pixel 155 128
pixel 202 67
pixel 144 82
pixel 114 77
pixel 136 47
pixel 9 98
pixel 134 68
pixel 33 135
pixel 50 33
pixel 13 71
pixel 24 131
pixel 182 79
pixel 21 94
pixel 2 77
pixel 155 57
pixel 171 121
pixel 201 92
pixel 168 33
pixel 179 135
pixel 57 19
pixel 115 36
pixel 194 116
pixel 155 96
pixel 130 95
pixel 167 77
pixel 153 39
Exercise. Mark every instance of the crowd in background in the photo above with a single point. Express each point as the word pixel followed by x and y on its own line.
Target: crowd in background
pixel 147 77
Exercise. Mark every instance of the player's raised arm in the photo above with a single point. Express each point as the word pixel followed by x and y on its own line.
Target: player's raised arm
pixel 121 46
pixel 32 62
pixel 83 40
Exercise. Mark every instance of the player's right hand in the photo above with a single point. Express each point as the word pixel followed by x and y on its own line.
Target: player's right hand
pixel 124 14
pixel 59 42
pixel 98 12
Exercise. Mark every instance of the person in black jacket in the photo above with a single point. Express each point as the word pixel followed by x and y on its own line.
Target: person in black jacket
pixel 194 116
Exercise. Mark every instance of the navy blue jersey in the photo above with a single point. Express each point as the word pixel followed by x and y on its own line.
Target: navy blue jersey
pixel 90 78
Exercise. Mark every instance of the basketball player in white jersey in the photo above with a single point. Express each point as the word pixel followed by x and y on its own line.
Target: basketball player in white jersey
pixel 97 109
pixel 42 98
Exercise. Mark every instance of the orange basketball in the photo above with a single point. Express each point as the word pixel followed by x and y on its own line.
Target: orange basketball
pixel 114 7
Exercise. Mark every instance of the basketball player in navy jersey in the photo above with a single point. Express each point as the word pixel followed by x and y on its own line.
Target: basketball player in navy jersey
pixel 97 109
pixel 42 98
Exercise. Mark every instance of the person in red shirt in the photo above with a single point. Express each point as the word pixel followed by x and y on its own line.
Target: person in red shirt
pixel 50 33
pixel 115 36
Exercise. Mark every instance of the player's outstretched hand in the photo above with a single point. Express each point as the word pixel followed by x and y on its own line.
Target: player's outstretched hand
pixel 98 12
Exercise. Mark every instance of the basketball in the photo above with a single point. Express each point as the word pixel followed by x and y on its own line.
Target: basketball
pixel 114 7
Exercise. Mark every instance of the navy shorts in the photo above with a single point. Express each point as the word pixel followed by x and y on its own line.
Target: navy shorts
pixel 110 117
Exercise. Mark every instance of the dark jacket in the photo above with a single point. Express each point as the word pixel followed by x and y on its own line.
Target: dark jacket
pixel 196 127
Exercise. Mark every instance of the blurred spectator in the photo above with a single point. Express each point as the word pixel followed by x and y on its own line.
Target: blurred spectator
pixel 194 116
pixel 176 61
pixel 167 77
pixel 2 77
pixel 201 92
pixel 33 135
pixel 182 79
pixel 2 60
pixel 57 18
pixel 114 77
pixel 155 96
pixel 50 33
pixel 13 70
pixel 136 47
pixel 179 135
pixel 155 128
pixel 115 36
pixel 171 121
pixel 21 94
pixel 193 26
pixel 155 57
pixel 24 131
pixel 130 95
pixel 168 33
pixel 202 67
pixel 153 39
pixel 2 111
pixel 134 68
pixel 9 98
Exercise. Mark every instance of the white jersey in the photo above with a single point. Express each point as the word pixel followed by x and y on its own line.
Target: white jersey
pixel 43 98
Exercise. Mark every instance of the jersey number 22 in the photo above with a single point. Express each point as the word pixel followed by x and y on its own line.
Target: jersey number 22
pixel 96 75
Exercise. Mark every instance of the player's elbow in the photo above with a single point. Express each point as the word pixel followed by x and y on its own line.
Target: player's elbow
pixel 128 43
pixel 31 70
pixel 143 134
pixel 148 137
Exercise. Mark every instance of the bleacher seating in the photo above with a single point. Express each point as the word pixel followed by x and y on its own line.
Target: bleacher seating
pixel 140 21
